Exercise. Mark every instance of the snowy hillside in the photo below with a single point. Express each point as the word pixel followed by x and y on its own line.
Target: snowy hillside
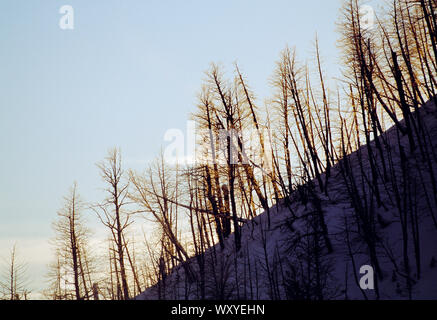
pixel 280 259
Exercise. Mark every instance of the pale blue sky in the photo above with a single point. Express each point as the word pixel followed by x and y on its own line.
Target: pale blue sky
pixel 129 71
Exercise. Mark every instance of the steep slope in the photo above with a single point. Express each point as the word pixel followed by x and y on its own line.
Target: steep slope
pixel 283 258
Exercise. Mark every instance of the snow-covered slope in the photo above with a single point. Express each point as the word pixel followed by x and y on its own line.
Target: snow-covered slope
pixel 274 259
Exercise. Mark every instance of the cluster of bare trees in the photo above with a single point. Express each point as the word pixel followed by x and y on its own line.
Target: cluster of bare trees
pixel 391 72
pixel 305 147
pixel 76 272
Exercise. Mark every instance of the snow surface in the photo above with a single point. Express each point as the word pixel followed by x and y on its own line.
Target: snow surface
pixel 238 282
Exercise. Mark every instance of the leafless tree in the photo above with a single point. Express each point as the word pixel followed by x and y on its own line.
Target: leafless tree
pixel 72 271
pixel 112 212
pixel 14 282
